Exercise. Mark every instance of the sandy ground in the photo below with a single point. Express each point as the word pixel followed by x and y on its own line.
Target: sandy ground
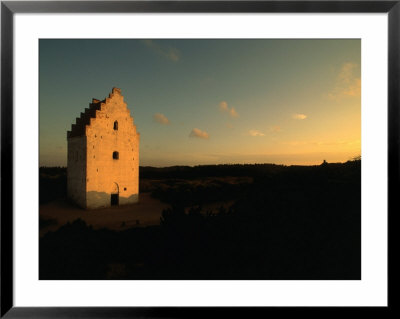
pixel 145 213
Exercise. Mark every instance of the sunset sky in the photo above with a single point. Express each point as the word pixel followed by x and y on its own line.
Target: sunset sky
pixel 210 101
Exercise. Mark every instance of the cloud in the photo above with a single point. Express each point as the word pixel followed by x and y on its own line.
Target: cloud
pixel 199 133
pixel 256 133
pixel 347 84
pixel 346 73
pixel 170 53
pixel 354 89
pixel 297 116
pixel 275 129
pixel 233 113
pixel 160 118
pixel 223 106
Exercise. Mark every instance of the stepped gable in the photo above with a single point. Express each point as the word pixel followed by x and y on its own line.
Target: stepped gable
pixel 79 128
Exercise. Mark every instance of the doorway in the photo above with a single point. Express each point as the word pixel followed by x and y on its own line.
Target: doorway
pixel 114 194
pixel 114 199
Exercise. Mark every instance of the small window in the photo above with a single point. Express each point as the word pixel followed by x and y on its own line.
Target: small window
pixel 116 126
pixel 115 155
pixel 124 188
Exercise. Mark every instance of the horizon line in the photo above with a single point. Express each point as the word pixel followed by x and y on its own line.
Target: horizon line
pixel 226 164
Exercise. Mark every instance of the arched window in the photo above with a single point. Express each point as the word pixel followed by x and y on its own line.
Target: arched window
pixel 116 126
pixel 115 155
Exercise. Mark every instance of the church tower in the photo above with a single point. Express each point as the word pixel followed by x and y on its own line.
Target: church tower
pixel 103 155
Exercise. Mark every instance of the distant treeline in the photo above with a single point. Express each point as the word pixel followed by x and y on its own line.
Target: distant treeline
pixel 53 180
pixel 52 183
pixel 222 170
pixel 219 170
pixel 52 170
pixel 187 172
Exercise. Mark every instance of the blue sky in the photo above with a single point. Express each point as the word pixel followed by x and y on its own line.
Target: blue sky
pixel 210 101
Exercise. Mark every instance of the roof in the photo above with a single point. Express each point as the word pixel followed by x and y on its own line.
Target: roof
pixel 79 128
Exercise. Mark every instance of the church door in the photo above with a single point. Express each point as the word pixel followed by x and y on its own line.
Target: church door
pixel 115 195
pixel 114 199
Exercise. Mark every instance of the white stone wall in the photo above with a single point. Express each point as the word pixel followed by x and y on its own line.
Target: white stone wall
pixel 76 170
pixel 105 175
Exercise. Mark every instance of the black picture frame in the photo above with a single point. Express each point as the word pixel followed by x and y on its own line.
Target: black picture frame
pixel 9 8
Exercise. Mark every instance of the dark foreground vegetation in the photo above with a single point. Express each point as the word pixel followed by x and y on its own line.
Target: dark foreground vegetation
pixel 297 222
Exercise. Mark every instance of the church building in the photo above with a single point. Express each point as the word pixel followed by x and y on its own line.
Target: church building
pixel 103 155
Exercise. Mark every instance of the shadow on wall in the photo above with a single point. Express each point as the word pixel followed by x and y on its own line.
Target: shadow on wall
pixel 102 199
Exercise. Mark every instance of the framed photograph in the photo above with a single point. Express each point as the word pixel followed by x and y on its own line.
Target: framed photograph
pixel 189 158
